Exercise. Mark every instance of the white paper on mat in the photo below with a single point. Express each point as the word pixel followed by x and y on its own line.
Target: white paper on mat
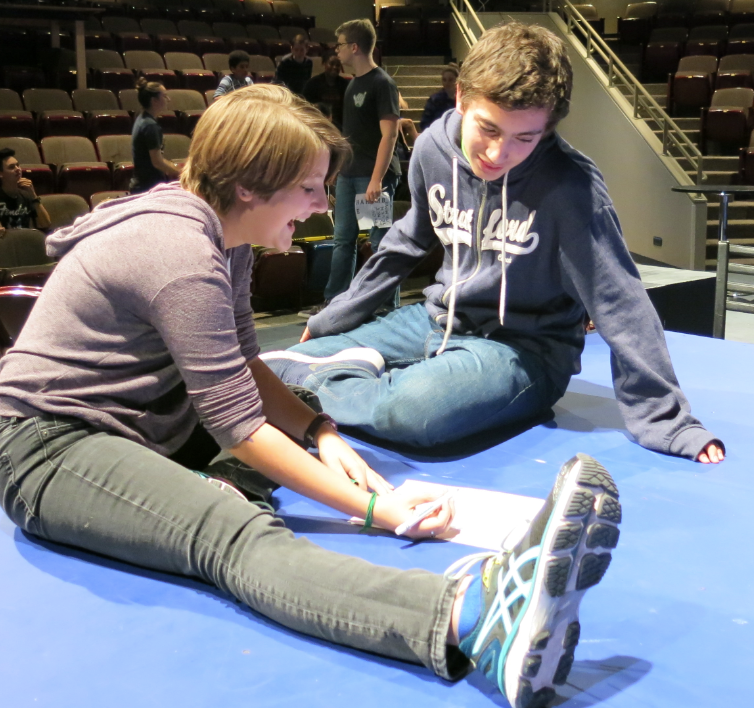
pixel 482 518
pixel 378 213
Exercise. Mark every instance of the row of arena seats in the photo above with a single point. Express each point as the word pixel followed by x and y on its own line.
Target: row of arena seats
pixel 125 33
pixel 76 165
pixel 698 77
pixel 92 112
pixel 667 45
pixel 417 28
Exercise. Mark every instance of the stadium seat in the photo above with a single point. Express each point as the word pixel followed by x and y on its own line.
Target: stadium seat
pixel 263 33
pixel 16 303
pixel 288 13
pixel 436 29
pixel 99 39
pixel 326 37
pixel 77 169
pixel 693 83
pixel 235 37
pixel 741 11
pixel 155 26
pixel 32 167
pixel 102 113
pixel 201 36
pixel 707 39
pixel 663 52
pixel 23 259
pixel 290 32
pixel 277 278
pixel 151 66
pixel 15 122
pixel 176 147
pixel 263 68
pixel 128 34
pixel 232 10
pixel 115 150
pixel 217 63
pixel 54 112
pixel 709 12
pixel 189 105
pixel 735 71
pixel 741 39
pixel 190 70
pixel 729 119
pixel 108 70
pixel 175 10
pixel 64 209
pixel 259 12
pixel 673 13
pixel 129 101
pixel 204 11
pixel 278 48
pixel 96 199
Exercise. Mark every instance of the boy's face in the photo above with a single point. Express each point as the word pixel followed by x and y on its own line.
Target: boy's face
pixel 299 51
pixel 496 140
pixel 241 70
pixel 11 172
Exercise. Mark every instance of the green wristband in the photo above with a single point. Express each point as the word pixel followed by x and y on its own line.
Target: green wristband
pixel 370 512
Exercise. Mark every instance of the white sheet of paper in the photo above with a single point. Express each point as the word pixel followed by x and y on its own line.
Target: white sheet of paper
pixel 377 213
pixel 482 518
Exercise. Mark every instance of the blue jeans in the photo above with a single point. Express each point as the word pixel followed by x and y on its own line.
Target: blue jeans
pixel 422 400
pixel 64 481
pixel 346 230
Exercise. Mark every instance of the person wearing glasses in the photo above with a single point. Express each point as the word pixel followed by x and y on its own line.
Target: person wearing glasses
pixel 150 165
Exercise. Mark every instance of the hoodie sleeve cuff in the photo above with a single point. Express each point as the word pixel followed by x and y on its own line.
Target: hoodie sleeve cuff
pixel 691 441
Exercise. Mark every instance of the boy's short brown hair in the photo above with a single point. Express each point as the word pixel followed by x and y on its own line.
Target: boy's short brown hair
pixel 519 66
pixel 261 137
pixel 359 32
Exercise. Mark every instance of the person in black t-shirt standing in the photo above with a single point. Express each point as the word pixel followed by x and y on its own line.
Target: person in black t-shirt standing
pixel 370 122
pixel 295 69
pixel 20 207
pixel 329 87
pixel 150 165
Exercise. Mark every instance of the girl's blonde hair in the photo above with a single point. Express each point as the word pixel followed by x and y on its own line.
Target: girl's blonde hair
pixel 263 138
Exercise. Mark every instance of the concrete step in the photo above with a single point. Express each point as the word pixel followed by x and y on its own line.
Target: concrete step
pixel 736 210
pixel 715 177
pixel 434 71
pixel 738 230
pixel 415 102
pixel 713 163
pixel 426 81
pixel 683 123
pixel 424 91
pixel 414 114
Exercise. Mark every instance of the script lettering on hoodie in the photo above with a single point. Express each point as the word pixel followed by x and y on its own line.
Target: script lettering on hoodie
pixel 519 240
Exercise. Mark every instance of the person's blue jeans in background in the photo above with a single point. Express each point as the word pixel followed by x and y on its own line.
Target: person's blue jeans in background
pixel 423 400
pixel 346 231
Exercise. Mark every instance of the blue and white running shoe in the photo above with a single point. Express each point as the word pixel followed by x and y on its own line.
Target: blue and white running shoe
pixel 525 639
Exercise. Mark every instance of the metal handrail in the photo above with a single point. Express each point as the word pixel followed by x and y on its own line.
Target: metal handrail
pixel 619 76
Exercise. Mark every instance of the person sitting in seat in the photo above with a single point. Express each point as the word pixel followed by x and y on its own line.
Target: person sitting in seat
pixel 295 69
pixel 20 207
pixel 238 63
pixel 329 87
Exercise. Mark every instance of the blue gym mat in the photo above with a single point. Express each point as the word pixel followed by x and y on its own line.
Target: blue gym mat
pixel 672 623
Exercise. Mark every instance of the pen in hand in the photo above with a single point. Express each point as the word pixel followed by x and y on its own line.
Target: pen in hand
pixel 422 511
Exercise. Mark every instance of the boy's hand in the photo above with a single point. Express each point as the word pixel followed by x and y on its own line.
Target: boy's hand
pixel 339 456
pixel 711 454
pixel 26 186
pixel 401 504
pixel 306 336
pixel 374 189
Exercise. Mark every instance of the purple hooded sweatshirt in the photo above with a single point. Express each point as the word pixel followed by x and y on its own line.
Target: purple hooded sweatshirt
pixel 144 328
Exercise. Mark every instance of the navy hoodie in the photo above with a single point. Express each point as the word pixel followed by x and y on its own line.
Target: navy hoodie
pixel 564 256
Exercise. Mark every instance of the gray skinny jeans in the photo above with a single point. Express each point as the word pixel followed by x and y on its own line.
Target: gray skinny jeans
pixel 64 481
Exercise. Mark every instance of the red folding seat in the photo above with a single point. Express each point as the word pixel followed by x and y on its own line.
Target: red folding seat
pixel 191 72
pixel 663 52
pixel 16 303
pixel 204 11
pixel 709 12
pixel 322 35
pixel 217 63
pixel 15 122
pixel 115 150
pixel 735 71
pixel 288 13
pixel 277 278
pixel 259 12
pixel 75 162
pixel 235 37
pixel 741 39
pixel 176 148
pixel 54 112
pixel 129 101
pixel 189 105
pixel 128 34
pixel 436 30
pixel 102 113
pixel 707 39
pixel 740 11
pixel 107 70
pixel 99 39
pixel 175 10
pixel 636 24
pixel 23 257
pixel 673 13
pixel 277 48
pixel 729 119
pixel 232 10
pixel 201 36
pixel 165 35
pixel 32 167
pixel 64 209
pixel 290 32
pixel 152 66
pixel 263 69
pixel 693 83
pixel 96 199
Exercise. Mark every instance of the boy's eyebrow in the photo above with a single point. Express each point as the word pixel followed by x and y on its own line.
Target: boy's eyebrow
pixel 491 124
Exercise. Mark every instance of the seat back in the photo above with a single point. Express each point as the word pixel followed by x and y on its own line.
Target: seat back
pixel 103 59
pixel 640 10
pixel 183 61
pixel 262 32
pixel 143 60
pixel 99 197
pixel 743 31
pixel 737 62
pixel 711 32
pixel 669 34
pixel 186 100
pixel 286 7
pixel 114 148
pixel 322 35
pixel 94 100
pixel 120 24
pixel 58 150
pixel 129 100
pixel 158 26
pixel 193 28
pixel 260 64
pixel 733 97
pixel 39 99
pixel 64 209
pixel 26 150
pixel 16 303
pixel 588 12
pixel 215 62
pixel 22 247
pixel 176 147
pixel 257 7
pixel 10 100
pixel 226 30
pixel 702 63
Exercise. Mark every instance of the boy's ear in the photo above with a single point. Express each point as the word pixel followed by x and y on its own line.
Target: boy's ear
pixel 459 100
pixel 244 195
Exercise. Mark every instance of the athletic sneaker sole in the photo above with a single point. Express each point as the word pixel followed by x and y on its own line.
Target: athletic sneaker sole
pixel 576 545
pixel 371 356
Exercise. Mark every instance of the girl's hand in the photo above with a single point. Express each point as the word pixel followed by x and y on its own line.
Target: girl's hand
pixel 336 454
pixel 395 508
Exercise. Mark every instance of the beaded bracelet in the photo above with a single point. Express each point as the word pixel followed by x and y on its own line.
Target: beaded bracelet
pixel 370 513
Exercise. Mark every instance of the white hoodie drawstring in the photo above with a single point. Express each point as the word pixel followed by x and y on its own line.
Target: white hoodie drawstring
pixel 454 278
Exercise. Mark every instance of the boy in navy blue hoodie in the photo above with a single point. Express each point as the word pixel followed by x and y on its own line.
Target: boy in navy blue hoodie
pixel 532 243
